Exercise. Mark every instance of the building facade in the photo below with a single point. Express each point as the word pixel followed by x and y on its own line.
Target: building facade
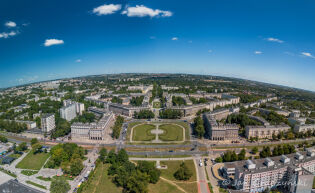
pixel 68 112
pixel 48 123
pixel 265 131
pixel 286 171
pixel 219 132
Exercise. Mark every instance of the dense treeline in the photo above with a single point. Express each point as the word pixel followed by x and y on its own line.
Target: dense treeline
pixel 132 178
pixel 117 127
pixel 116 100
pixel 241 119
pixel 199 129
pixel 273 118
pixel 183 173
pixel 144 114
pixel 178 101
pixel 136 101
pixel 231 156
pixel 68 156
pixel 86 117
pixel 3 139
pixel 63 128
pixel 170 114
pixel 198 101
pixel 12 126
pixel 278 150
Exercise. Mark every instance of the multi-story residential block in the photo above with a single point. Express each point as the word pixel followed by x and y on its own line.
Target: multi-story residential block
pixel 79 107
pixel 48 122
pixel 265 131
pixel 125 110
pixel 304 128
pixel 68 112
pixel 92 131
pixel 285 171
pixel 219 132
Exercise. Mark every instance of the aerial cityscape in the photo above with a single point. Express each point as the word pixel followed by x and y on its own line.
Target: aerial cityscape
pixel 157 97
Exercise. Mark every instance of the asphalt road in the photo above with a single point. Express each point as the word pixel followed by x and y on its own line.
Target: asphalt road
pixel 202 178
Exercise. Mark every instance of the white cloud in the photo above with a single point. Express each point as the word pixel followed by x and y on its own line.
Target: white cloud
pixel 307 54
pixel 50 42
pixel 7 35
pixel 258 52
pixel 175 38
pixel 10 24
pixel 143 11
pixel 209 51
pixel 78 60
pixel 190 41
pixel 274 40
pixel 106 9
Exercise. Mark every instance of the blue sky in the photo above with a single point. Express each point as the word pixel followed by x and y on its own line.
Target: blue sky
pixel 266 40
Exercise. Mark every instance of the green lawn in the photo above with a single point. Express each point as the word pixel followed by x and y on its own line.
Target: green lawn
pixel 28 172
pixel 37 185
pixel 143 133
pixel 171 132
pixel 172 167
pixel 33 161
pixel 163 187
pixel 100 182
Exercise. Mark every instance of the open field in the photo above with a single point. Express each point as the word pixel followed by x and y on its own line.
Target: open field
pixel 143 133
pixel 33 161
pixel 101 182
pixel 163 187
pixel 172 166
pixel 171 132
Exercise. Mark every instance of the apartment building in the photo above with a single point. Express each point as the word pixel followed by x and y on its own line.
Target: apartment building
pixel 48 122
pixel 219 132
pixel 68 112
pixel 304 128
pixel 286 171
pixel 92 131
pixel 265 131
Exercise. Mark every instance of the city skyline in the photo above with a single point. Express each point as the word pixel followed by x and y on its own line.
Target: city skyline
pixel 54 40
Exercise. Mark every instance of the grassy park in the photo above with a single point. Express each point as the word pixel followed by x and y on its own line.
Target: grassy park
pixel 100 181
pixel 171 132
pixel 172 166
pixel 143 133
pixel 33 161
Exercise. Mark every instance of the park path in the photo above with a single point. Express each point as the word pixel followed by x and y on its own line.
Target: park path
pixel 171 182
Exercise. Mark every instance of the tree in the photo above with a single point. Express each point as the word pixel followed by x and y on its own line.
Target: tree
pixel 103 154
pixel 137 183
pixel 183 173
pixel 199 127
pixel 219 160
pixel 3 139
pixel 59 185
pixel 22 146
pixel 76 167
pixel 34 141
pixel 37 148
pixel 242 155
pixel 150 169
pixel 254 150
pixel 122 156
